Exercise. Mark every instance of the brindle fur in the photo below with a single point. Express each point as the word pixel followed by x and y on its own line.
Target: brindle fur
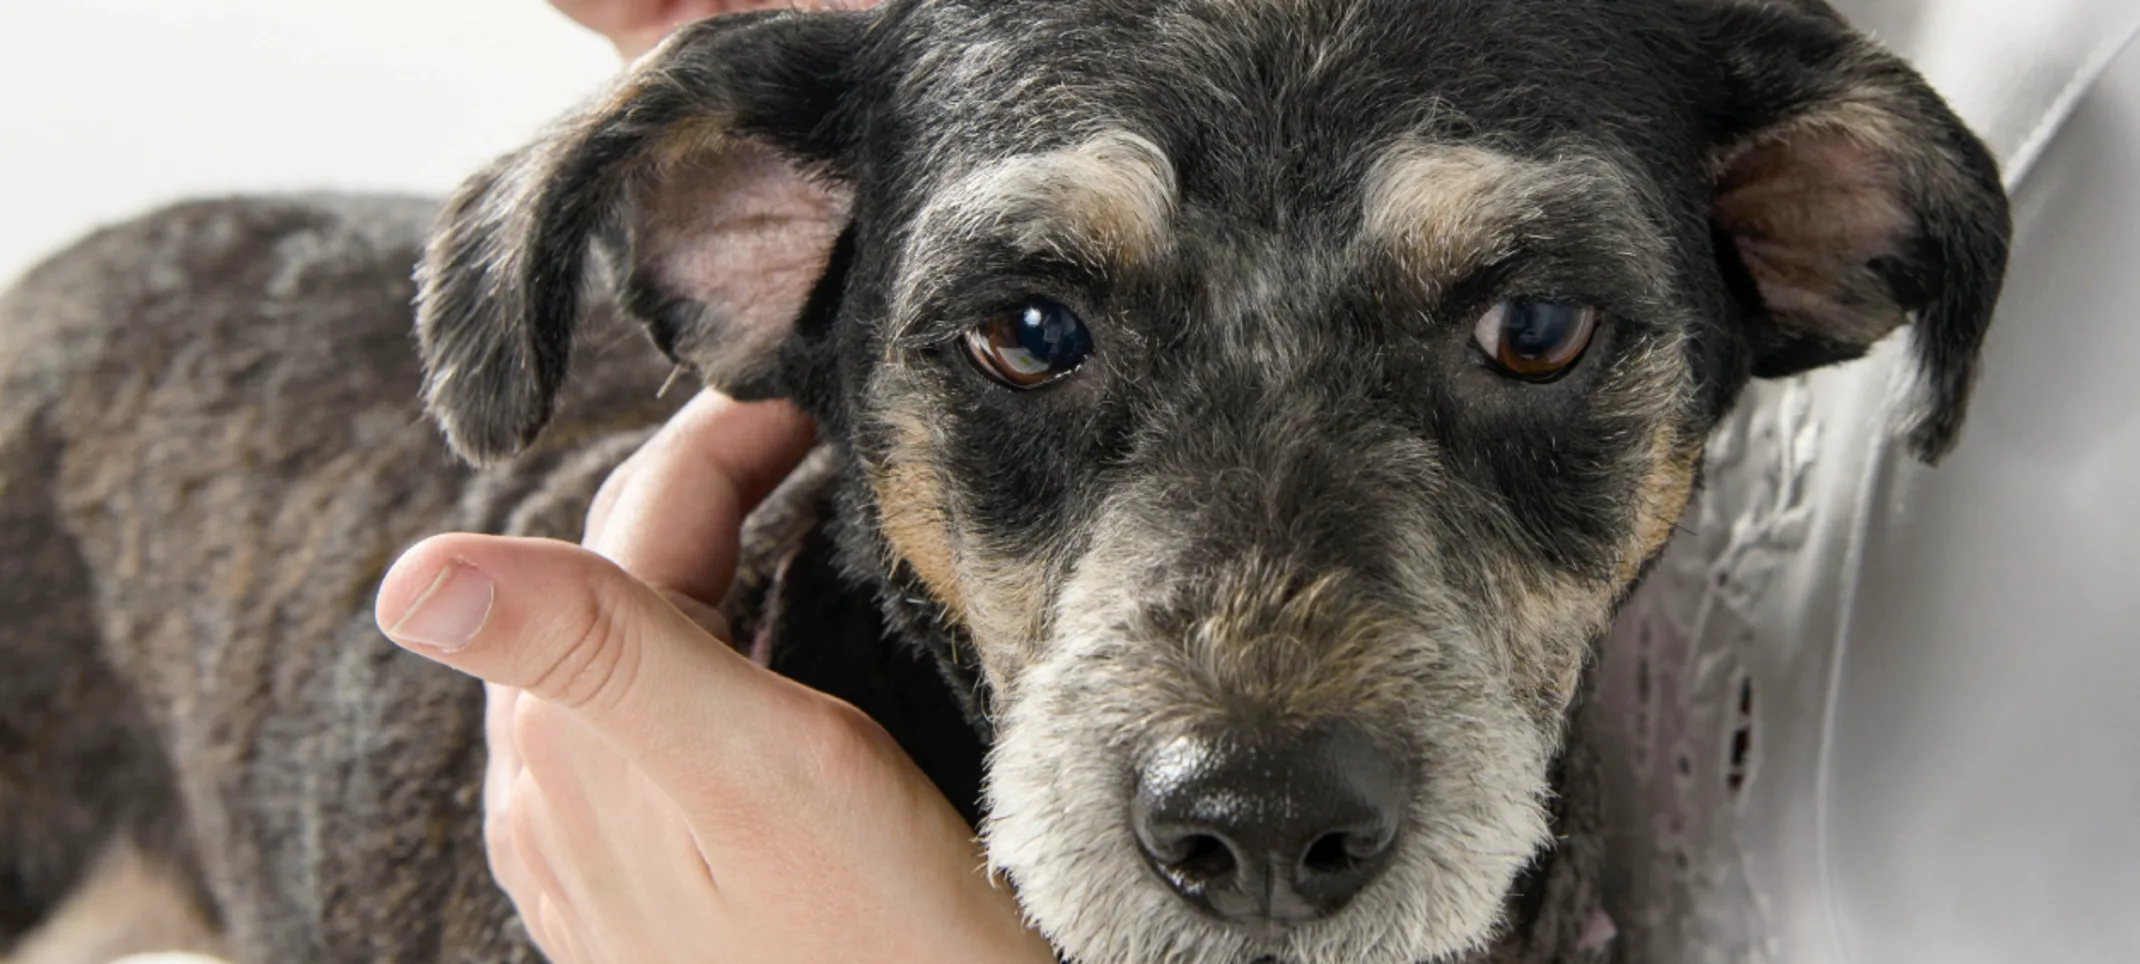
pixel 1284 489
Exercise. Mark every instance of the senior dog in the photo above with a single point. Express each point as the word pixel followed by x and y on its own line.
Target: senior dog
pixel 1242 418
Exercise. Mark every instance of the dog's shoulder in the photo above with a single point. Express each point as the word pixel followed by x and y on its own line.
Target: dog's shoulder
pixel 211 277
pixel 227 391
pixel 211 447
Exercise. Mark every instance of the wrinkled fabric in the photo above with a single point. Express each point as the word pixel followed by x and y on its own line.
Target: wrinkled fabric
pixel 1871 712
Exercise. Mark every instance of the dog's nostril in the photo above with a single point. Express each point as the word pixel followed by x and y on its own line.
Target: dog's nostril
pixel 1332 853
pixel 1205 858
pixel 1269 828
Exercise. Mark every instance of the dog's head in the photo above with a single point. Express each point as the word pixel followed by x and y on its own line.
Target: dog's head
pixel 1275 398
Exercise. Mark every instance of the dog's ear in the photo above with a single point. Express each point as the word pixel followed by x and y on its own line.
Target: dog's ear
pixel 1848 199
pixel 711 181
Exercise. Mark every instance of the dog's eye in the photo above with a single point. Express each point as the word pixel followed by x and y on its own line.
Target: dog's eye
pixel 1031 345
pixel 1533 339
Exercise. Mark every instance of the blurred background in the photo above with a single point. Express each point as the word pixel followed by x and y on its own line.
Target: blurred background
pixel 115 106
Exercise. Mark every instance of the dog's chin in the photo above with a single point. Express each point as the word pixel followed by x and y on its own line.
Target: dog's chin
pixel 1057 828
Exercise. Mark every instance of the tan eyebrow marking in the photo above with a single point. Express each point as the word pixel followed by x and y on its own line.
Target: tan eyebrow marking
pixel 1112 195
pixel 1108 201
pixel 1444 208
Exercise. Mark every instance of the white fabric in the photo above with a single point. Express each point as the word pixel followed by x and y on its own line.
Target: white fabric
pixel 1934 670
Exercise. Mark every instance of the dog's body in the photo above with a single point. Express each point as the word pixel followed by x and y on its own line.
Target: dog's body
pixel 1402 325
pixel 210 453
pixel 197 698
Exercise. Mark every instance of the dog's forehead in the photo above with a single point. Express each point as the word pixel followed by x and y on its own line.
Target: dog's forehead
pixel 1085 126
pixel 1248 88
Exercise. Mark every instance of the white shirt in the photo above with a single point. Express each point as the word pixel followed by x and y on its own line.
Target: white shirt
pixel 1870 712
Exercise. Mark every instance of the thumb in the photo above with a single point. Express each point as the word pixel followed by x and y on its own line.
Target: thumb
pixel 568 626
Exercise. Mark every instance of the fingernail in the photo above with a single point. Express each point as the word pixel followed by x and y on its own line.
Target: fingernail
pixel 450 612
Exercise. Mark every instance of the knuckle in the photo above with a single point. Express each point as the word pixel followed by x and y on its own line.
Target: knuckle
pixel 498 821
pixel 521 806
pixel 501 851
pixel 535 733
pixel 842 739
pixel 600 660
pixel 706 617
pixel 612 489
pixel 551 930
pixel 522 837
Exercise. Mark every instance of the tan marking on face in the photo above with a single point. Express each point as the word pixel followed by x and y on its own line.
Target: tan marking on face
pixel 1260 640
pixel 1000 601
pixel 1447 208
pixel 1108 202
pixel 916 519
pixel 1554 617
pixel 1291 649
pixel 1662 499
pixel 1110 198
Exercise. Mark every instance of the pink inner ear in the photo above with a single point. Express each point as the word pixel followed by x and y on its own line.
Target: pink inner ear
pixel 1810 210
pixel 739 230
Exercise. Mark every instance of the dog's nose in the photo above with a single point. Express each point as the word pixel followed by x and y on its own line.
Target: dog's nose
pixel 1270 830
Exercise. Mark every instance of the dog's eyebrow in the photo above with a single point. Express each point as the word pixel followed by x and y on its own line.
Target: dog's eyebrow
pixel 1105 202
pixel 1444 209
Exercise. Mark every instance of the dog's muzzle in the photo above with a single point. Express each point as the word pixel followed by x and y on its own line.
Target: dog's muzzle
pixel 1269 828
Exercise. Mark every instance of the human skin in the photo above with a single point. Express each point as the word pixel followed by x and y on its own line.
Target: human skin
pixel 653 796
pixel 698 802
pixel 635 26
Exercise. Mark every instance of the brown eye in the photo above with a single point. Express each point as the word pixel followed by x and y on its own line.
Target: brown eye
pixel 1533 339
pixel 1030 346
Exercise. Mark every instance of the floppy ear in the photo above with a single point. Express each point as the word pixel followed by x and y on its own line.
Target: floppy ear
pixel 710 180
pixel 1855 201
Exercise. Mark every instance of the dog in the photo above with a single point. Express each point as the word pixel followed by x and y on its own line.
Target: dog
pixel 1243 418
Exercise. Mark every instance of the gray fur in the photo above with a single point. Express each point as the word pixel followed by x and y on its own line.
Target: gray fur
pixel 212 449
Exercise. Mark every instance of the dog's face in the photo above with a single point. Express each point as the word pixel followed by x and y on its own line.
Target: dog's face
pixel 1274 399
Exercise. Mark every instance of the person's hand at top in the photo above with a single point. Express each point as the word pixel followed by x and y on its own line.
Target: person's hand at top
pixel 635 26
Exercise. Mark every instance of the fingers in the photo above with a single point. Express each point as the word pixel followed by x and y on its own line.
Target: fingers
pixel 499 703
pixel 500 773
pixel 555 932
pixel 599 855
pixel 571 628
pixel 735 777
pixel 636 26
pixel 671 513
pixel 569 861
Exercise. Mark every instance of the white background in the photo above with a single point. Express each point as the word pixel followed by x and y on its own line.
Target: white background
pixel 110 107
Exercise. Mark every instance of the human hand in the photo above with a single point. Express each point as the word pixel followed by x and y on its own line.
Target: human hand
pixel 635 26
pixel 652 795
